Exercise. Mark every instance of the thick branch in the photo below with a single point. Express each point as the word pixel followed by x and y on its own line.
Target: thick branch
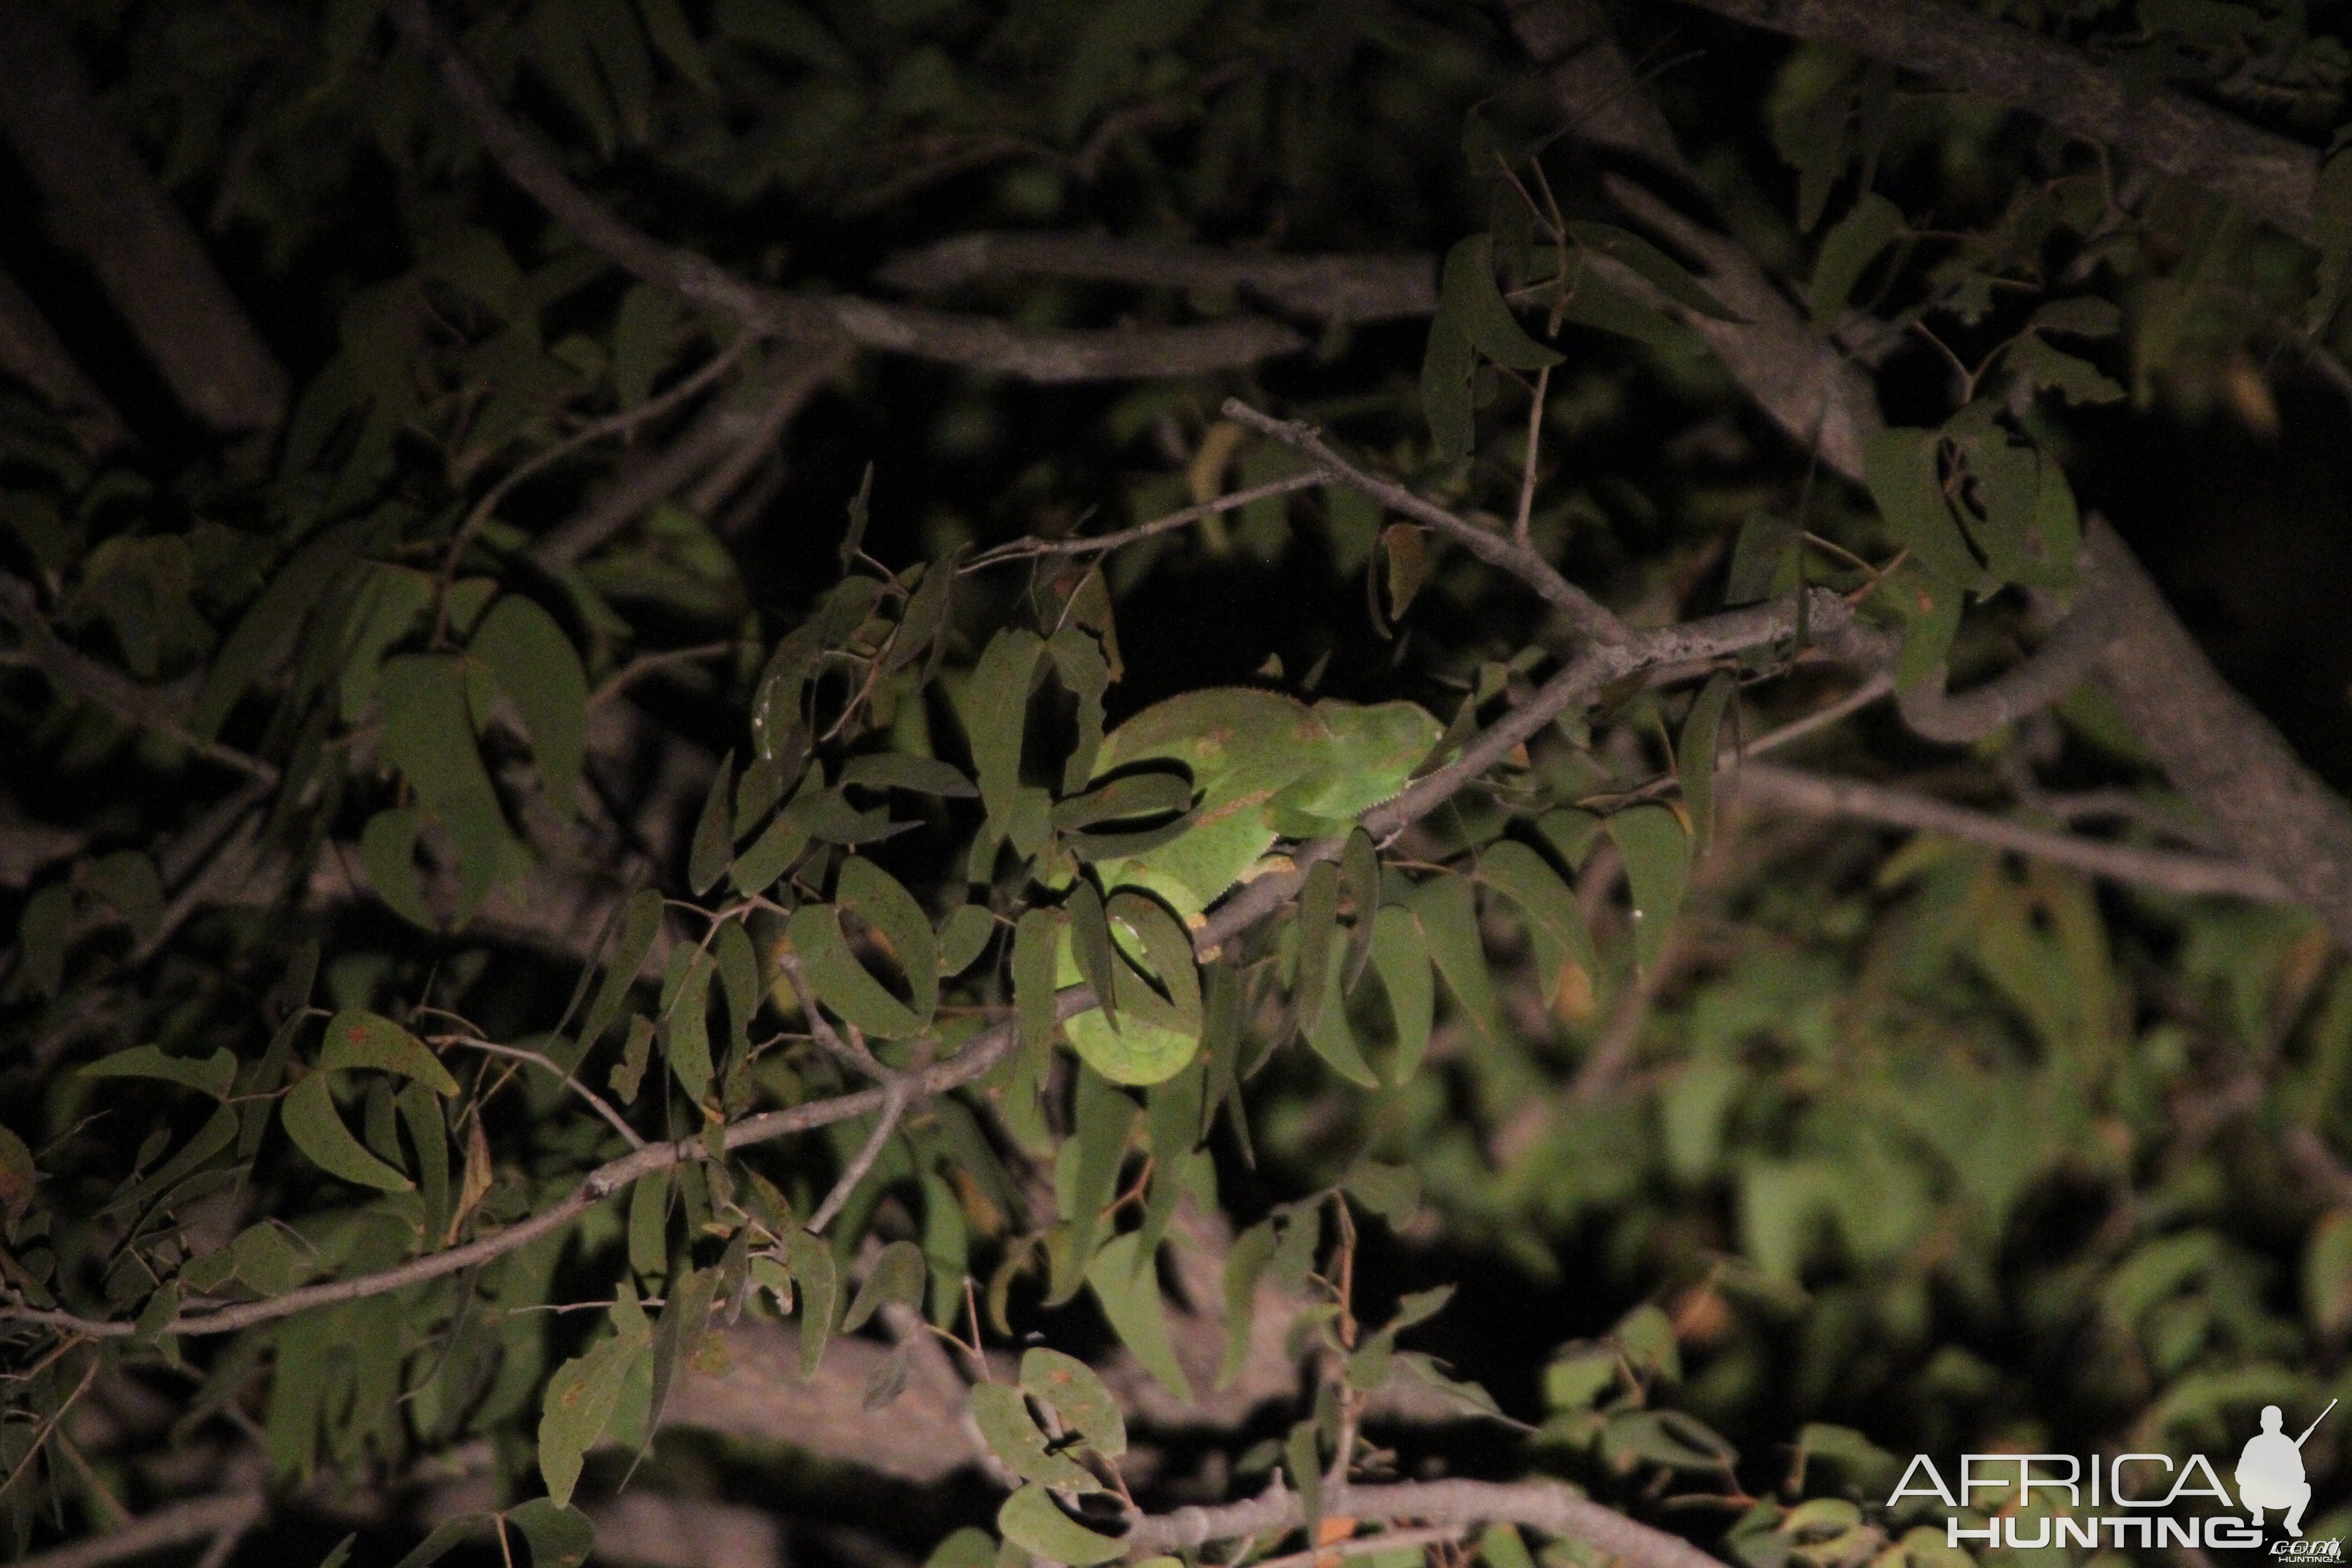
pixel 175 1524
pixel 84 676
pixel 1322 288
pixel 974 342
pixel 1540 1505
pixel 108 207
pixel 31 352
pixel 2222 753
pixel 2173 871
pixel 2269 176
pixel 1801 383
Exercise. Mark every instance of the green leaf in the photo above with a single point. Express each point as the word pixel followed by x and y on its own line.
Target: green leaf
pixel 773 854
pixel 1251 1251
pixel 1086 674
pixel 538 668
pixel 1003 1417
pixel 308 1113
pixel 1079 1397
pixel 996 715
pixel 1657 866
pixel 685 1314
pixel 2085 316
pixel 1102 1121
pixel 1555 921
pixel 898 1275
pixel 1319 924
pixel 1090 943
pixel 2077 380
pixel 1467 293
pixel 1695 755
pixel 1030 1519
pixel 640 924
pixel 388 853
pixel 361 1039
pixel 1302 1455
pixel 817 1282
pixel 879 899
pixel 897 770
pixel 666 26
pixel 739 982
pixel 1127 1291
pixel 650 1225
pixel 1501 1547
pixel 1391 1192
pixel 266 627
pixel 1447 909
pixel 560 1537
pixel 583 1396
pixel 18 1177
pixel 1653 265
pixel 445 1539
pixel 642 333
pixel 1849 247
pixel 1900 467
pixel 1157 981
pixel 964 937
pixel 428 732
pixel 1035 941
pixel 853 541
pixel 215 1075
pixel 842 983
pixel 689 1020
pixel 1446 396
pixel 1332 1037
pixel 1401 957
pixel 713 848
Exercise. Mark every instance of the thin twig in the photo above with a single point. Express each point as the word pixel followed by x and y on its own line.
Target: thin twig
pixel 2170 870
pixel 894 1104
pixel 597 1102
pixel 1853 702
pixel 174 1524
pixel 821 1029
pixel 1590 618
pixel 1534 447
pixel 619 424
pixel 644 663
pixel 1028 549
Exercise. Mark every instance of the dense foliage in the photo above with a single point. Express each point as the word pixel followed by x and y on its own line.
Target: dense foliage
pixel 897 779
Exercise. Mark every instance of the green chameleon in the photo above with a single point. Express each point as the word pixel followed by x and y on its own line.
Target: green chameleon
pixel 1264 767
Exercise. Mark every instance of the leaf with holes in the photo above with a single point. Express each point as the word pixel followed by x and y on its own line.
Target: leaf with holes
pixel 1004 1419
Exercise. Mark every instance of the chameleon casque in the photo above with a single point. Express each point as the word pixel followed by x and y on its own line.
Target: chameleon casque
pixel 1264 767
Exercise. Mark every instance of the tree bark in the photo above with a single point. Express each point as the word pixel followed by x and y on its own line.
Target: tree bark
pixel 106 206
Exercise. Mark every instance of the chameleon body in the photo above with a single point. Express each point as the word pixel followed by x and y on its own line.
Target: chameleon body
pixel 1264 767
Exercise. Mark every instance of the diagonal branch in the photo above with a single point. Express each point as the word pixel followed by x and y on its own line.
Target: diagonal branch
pixel 1540 1505
pixel 73 671
pixel 2172 871
pixel 231 1514
pixel 107 206
pixel 1321 288
pixel 2269 176
pixel 31 352
pixel 1734 631
pixel 971 341
pixel 2222 755
pixel 1590 618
